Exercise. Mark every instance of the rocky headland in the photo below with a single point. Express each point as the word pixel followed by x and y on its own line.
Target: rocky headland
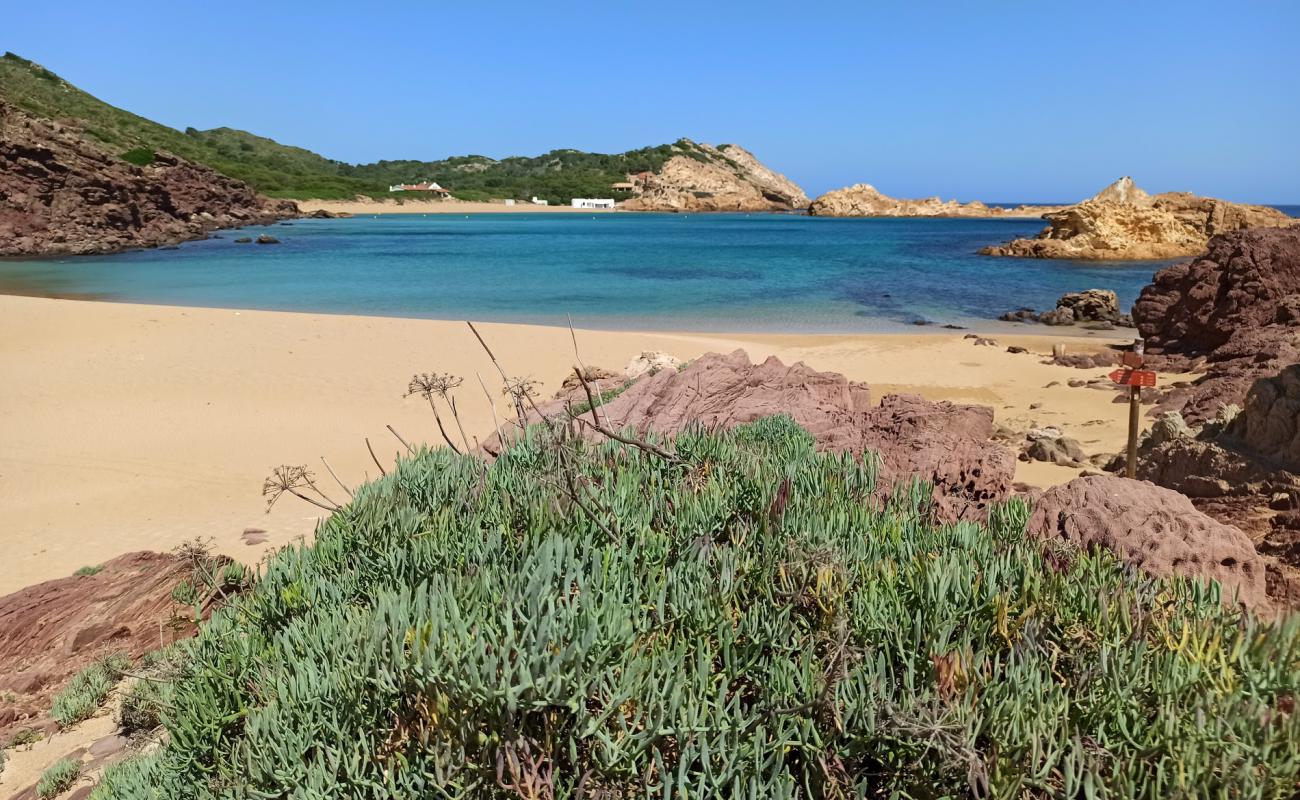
pixel 1124 222
pixel 702 177
pixel 865 200
pixel 62 193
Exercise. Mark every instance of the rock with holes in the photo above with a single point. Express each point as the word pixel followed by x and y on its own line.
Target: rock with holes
pixel 1155 529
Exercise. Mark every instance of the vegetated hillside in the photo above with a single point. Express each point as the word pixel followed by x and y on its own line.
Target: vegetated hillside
pixel 271 168
pixel 279 170
pixel 735 620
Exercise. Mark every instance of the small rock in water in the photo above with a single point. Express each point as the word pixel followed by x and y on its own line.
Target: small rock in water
pixel 244 240
pixel 265 239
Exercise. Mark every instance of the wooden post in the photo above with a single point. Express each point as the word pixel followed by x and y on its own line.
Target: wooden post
pixel 1134 415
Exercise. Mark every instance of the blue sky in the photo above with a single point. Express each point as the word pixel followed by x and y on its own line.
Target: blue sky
pixel 997 101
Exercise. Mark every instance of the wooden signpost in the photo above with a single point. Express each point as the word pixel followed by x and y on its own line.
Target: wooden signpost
pixel 1134 377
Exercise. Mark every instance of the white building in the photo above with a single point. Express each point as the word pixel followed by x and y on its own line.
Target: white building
pixel 539 202
pixel 593 202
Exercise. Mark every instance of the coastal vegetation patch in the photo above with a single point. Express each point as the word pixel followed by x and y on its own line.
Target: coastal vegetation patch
pixel 721 614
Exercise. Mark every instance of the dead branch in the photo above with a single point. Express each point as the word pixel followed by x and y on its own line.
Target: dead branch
pixel 409 449
pixel 374 458
pixel 343 485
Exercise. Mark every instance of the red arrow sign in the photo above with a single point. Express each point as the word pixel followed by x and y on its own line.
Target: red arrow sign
pixel 1133 377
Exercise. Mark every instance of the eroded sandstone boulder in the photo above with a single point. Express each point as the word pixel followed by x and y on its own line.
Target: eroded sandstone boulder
pixel 1155 529
pixel 1269 424
pixel 947 444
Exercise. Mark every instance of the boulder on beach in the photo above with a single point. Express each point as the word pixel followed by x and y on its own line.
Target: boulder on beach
pixel 1154 529
pixel 949 445
pixel 1091 306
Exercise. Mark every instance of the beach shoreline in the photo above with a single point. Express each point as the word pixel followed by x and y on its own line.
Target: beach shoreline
pixel 357 207
pixel 138 427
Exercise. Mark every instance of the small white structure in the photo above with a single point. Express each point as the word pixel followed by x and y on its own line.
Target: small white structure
pixel 510 201
pixel 539 202
pixel 593 202
pixel 423 186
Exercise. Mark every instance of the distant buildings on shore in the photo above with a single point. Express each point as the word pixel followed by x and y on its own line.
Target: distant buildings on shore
pixel 425 186
pixel 593 202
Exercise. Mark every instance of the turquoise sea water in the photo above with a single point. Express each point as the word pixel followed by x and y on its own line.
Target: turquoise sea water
pixel 719 272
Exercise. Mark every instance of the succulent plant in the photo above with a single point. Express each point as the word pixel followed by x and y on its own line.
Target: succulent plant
pixel 752 618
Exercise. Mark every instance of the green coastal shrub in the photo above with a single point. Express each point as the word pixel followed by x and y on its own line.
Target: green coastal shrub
pixel 25 737
pixel 88 690
pixel 142 707
pixel 59 778
pixel 131 778
pixel 140 156
pixel 86 572
pixel 745 622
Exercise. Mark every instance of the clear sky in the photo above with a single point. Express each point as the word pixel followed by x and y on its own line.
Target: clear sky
pixel 1001 101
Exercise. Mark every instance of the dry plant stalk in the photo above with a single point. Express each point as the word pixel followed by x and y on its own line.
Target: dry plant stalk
pixel 296 480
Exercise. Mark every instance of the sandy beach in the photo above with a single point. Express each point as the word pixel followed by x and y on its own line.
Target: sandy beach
pixel 416 206
pixel 129 427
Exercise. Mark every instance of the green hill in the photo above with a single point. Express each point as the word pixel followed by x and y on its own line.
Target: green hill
pixel 281 170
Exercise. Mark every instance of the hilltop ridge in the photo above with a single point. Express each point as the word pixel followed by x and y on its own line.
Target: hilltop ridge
pixel 280 170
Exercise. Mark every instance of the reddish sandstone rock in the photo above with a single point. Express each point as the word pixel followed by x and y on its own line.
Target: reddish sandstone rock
pixel 1269 424
pixel 944 443
pixel 1155 529
pixel 1234 312
pixel 63 193
pixel 50 631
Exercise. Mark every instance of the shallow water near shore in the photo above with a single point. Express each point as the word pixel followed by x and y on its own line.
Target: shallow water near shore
pixel 701 272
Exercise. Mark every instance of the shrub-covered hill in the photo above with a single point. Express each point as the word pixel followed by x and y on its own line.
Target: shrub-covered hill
pixel 596 621
pixel 279 170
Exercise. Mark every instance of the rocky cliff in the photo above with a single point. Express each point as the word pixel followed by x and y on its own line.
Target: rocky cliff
pixel 701 177
pixel 865 200
pixel 62 193
pixel 1233 313
pixel 1124 222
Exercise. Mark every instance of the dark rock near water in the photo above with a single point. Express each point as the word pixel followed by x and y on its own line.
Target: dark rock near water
pixel 1095 306
pixel 244 240
pixel 265 239
pixel 63 193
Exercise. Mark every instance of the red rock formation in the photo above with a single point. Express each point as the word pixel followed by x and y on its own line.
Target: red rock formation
pixel 50 631
pixel 944 443
pixel 61 193
pixel 1155 529
pixel 1234 311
